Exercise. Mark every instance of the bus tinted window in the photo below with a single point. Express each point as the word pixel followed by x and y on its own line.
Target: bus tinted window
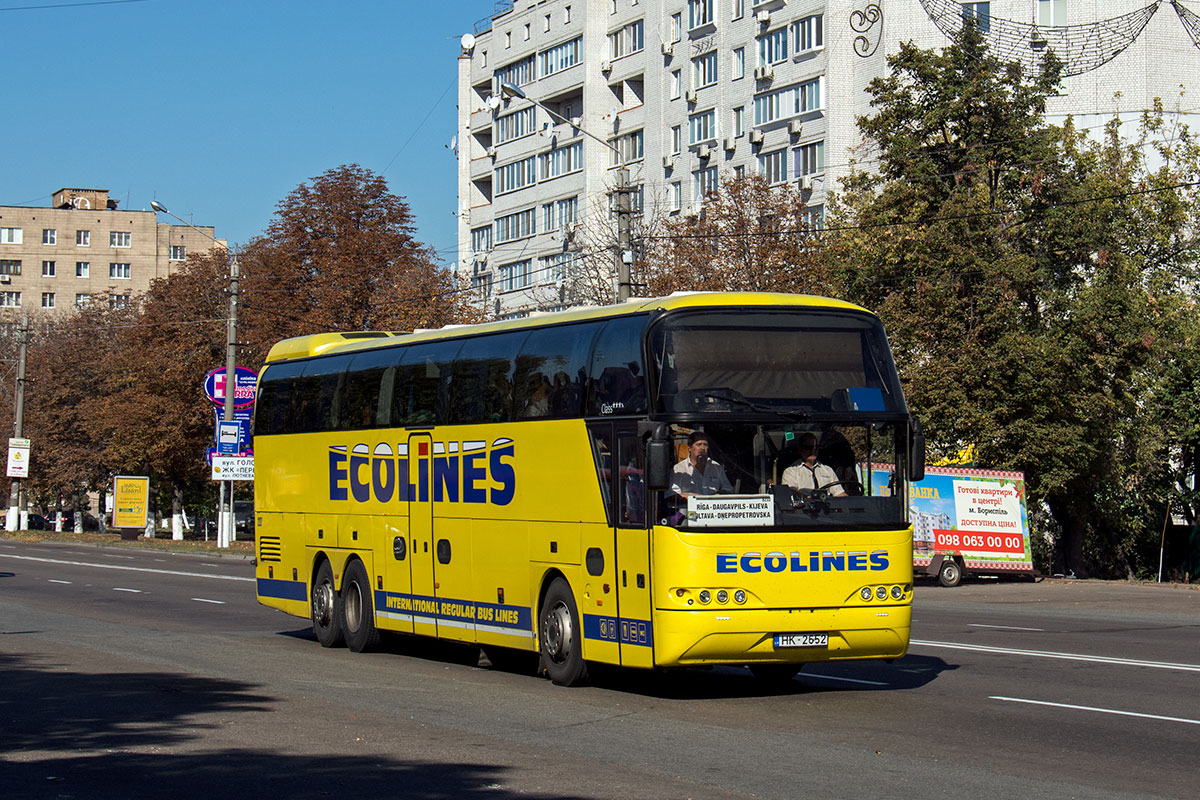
pixel 273 406
pixel 418 396
pixel 617 380
pixel 367 401
pixel 552 372
pixel 481 388
pixel 316 399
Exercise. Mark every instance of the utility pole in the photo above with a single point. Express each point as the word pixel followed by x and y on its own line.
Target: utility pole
pixel 225 533
pixel 14 498
pixel 624 238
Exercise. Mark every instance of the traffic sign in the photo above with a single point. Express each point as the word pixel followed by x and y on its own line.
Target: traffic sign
pixel 229 437
pixel 233 468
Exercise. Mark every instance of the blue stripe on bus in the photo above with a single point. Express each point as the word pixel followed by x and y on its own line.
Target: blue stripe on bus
pixel 615 629
pixel 284 590
pixel 504 616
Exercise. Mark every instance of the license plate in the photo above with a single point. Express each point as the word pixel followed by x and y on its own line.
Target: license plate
pixel 801 640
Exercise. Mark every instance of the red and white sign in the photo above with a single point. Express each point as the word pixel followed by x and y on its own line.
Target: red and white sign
pixel 1008 544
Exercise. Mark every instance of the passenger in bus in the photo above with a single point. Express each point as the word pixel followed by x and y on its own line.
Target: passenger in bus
pixel 808 473
pixel 698 474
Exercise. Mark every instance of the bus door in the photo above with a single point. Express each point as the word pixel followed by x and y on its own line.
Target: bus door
pixel 633 550
pixel 421 548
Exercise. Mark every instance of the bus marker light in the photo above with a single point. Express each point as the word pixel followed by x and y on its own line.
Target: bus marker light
pixel 722 596
pixel 739 596
pixel 704 596
pixel 897 592
pixel 866 593
pixel 881 593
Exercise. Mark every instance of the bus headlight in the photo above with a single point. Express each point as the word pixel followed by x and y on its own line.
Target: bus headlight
pixel 866 593
pixel 705 596
pixel 881 593
pixel 739 596
pixel 722 596
pixel 897 592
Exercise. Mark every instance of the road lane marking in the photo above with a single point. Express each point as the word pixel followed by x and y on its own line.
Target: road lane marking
pixel 121 589
pixel 1004 627
pixel 844 680
pixel 206 600
pixel 52 580
pixel 1010 651
pixel 1097 710
pixel 131 569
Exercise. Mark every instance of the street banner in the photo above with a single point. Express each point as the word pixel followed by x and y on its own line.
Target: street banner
pixel 233 468
pixel 131 494
pixel 18 458
pixel 243 394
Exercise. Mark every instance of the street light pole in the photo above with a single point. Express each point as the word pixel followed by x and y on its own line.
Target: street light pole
pixel 17 515
pixel 623 192
pixel 224 532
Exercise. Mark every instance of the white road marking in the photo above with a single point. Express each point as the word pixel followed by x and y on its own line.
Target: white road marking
pixel 206 600
pixel 1004 627
pixel 1097 710
pixel 844 680
pixel 114 555
pixel 120 589
pixel 131 569
pixel 1010 651
pixel 54 581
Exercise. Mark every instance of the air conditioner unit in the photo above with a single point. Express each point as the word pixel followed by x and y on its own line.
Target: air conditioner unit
pixel 481 258
pixel 806 183
pixel 690 96
pixel 668 48
pixel 576 122
pixel 730 143
pixel 763 16
pixel 668 162
pixel 795 127
pixel 704 151
pixel 756 137
pixel 763 73
pixel 5 279
pixel 606 66
pixel 491 152
pixel 692 210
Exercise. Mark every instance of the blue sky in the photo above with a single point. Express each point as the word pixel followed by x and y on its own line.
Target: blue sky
pixel 219 108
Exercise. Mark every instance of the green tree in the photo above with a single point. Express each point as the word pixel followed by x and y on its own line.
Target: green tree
pixel 1022 270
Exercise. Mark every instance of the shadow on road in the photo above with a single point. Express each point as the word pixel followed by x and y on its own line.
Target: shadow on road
pixel 68 734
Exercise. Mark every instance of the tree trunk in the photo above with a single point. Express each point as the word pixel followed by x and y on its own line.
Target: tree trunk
pixel 176 511
pixel 1071 514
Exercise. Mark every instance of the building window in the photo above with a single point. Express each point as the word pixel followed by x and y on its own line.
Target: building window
pixel 49 236
pixel 703 126
pixel 481 239
pixel 739 63
pixel 809 35
pixel 507 40
pixel 739 9
pixel 705 182
pixel 82 300
pixel 630 39
pixel 9 299
pixel 527 31
pixel 83 238
pixel 517 73
pixel 47 299
pixel 519 225
pixel 516 175
pixel 82 268
pixel 483 285
pixel 118 271
pixel 10 266
pixel 514 275
pixel 700 12
pixel 48 268
pixel 676 198
pixel 676 84
pixel 177 252
pixel 559 266
pixel 557 214
pixel 629 148
pixel 118 301
pixel 704 70
pixel 813 218
pixel 739 120
pixel 773 47
pixel 787 102
pixel 773 166
pixel 1052 13
pixel 562 160
pixel 11 236
pixel 558 58
pixel 810 159
pixel 119 238
pixel 514 126
pixel 676 139
pixel 567 15
pixel 676 27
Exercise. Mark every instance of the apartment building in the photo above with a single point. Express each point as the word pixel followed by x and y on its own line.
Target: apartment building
pixel 56 259
pixel 686 92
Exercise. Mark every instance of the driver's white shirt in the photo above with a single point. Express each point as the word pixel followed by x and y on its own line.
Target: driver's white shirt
pixel 802 476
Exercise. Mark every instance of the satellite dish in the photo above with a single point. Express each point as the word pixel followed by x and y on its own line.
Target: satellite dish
pixel 468 42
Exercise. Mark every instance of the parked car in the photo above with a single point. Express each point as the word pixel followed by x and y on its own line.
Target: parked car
pixel 38 523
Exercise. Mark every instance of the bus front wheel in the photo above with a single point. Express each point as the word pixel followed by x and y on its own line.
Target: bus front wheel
pixel 358 610
pixel 323 607
pixel 561 636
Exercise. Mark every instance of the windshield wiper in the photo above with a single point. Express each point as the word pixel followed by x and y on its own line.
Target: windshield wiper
pixel 732 397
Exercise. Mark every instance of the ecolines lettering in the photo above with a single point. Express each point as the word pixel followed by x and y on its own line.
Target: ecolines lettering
pixel 457 472
pixel 796 562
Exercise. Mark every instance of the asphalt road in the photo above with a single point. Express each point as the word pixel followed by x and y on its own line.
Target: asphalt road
pixel 137 674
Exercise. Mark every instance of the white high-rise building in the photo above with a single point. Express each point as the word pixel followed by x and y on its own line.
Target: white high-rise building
pixel 686 92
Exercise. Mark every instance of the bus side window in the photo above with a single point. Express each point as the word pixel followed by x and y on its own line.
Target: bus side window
pixel 631 486
pixel 319 394
pixel 481 387
pixel 421 381
pixel 602 450
pixel 277 393
pixel 547 381
pixel 617 381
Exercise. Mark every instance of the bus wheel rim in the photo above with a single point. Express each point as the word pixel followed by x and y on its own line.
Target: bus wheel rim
pixel 323 604
pixel 559 634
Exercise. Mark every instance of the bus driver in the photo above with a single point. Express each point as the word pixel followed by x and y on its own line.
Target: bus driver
pixel 698 474
pixel 808 473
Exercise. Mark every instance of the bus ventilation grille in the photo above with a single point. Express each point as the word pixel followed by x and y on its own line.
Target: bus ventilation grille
pixel 269 549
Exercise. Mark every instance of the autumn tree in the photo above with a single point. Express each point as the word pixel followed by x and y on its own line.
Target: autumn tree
pixel 1023 271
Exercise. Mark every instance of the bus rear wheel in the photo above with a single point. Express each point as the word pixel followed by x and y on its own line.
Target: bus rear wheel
pixel 358 610
pixel 561 636
pixel 323 608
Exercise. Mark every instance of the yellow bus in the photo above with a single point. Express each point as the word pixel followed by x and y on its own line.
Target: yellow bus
pixel 528 485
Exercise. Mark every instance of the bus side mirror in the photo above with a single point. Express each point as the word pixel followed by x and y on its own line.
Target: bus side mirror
pixel 659 459
pixel 916 451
